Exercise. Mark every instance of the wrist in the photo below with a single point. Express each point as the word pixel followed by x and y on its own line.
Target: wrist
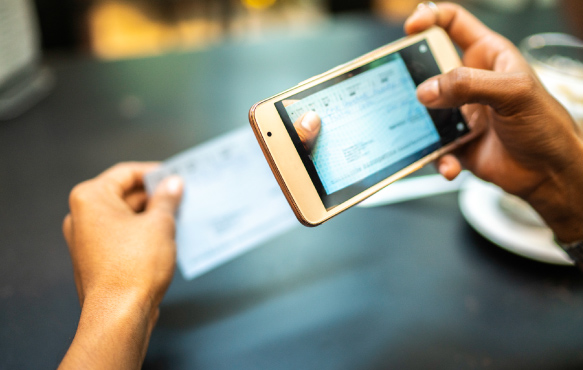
pixel 120 303
pixel 113 331
pixel 130 294
pixel 559 200
pixel 133 308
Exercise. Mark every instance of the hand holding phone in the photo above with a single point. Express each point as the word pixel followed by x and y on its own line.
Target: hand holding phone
pixel 367 127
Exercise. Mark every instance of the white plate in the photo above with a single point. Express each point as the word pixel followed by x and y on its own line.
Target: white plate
pixel 479 202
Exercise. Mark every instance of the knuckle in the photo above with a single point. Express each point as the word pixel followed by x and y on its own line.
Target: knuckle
pixel 525 83
pixel 460 82
pixel 524 87
pixel 80 194
pixel 451 8
pixel 122 166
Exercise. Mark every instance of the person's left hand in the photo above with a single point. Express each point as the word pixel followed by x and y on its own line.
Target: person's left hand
pixel 123 252
pixel 121 242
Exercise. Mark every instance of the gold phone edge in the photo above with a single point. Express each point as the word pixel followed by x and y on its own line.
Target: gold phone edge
pixel 274 169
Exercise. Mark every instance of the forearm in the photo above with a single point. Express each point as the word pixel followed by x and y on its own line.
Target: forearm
pixel 560 199
pixel 113 333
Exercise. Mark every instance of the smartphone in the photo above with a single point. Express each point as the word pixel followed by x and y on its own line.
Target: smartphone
pixel 372 128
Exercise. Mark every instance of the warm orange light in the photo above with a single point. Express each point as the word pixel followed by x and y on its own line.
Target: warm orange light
pixel 258 4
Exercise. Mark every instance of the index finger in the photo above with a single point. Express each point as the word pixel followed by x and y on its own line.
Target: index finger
pixel 126 176
pixel 461 26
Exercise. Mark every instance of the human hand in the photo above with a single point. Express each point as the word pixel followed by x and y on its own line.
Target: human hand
pixel 123 252
pixel 530 146
pixel 121 242
pixel 307 127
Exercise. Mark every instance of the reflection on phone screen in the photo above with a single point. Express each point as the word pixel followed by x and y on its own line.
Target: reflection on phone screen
pixel 372 124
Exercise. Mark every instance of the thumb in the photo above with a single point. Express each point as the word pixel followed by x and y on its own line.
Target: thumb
pixel 308 128
pixel 166 197
pixel 507 93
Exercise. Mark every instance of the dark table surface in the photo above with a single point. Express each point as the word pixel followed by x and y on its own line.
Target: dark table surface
pixel 409 285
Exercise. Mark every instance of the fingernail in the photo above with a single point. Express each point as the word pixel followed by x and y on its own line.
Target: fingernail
pixel 443 167
pixel 428 91
pixel 309 123
pixel 174 185
pixel 421 7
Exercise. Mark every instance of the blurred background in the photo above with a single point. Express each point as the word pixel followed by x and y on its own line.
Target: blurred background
pixel 311 292
pixel 114 29
pixel 31 30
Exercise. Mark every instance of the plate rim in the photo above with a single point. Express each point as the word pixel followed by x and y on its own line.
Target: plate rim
pixel 479 196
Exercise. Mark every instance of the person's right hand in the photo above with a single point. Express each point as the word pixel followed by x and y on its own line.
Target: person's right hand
pixel 530 146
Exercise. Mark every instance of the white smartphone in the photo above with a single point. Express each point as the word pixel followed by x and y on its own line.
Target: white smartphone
pixel 372 128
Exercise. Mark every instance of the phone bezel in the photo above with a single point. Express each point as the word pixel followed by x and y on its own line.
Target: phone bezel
pixel 282 154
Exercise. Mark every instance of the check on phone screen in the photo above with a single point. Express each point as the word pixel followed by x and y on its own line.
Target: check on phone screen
pixel 372 124
pixel 369 122
pixel 372 129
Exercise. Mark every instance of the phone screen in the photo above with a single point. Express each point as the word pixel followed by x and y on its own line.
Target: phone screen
pixel 372 124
